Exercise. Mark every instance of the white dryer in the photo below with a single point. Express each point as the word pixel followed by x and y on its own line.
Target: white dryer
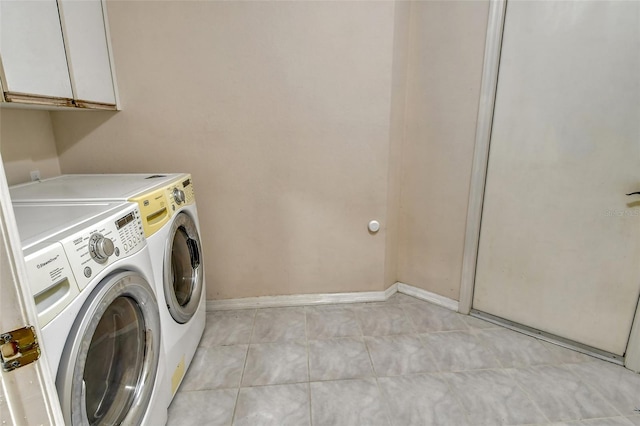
pixel 91 276
pixel 170 221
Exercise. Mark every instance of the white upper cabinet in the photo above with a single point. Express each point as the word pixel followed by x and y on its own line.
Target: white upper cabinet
pixel 85 36
pixel 32 49
pixel 56 52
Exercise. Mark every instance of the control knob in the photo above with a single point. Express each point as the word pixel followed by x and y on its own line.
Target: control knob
pixel 178 195
pixel 100 248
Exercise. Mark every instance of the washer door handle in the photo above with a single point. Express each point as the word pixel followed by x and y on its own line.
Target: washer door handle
pixel 194 252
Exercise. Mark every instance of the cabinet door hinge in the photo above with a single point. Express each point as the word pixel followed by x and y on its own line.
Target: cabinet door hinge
pixel 18 348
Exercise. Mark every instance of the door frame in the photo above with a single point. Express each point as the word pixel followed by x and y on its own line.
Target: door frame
pixel 489 84
pixel 30 394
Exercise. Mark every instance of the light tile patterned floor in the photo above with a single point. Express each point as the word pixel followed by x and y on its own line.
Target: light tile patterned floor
pixel 402 362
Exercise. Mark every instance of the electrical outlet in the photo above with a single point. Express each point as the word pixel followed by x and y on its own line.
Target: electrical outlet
pixel 35 175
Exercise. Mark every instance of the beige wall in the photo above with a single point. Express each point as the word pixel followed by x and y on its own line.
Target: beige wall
pixel 282 113
pixel 27 143
pixel 300 121
pixel 445 68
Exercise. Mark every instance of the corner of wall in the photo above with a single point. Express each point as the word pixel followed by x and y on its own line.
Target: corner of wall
pixel 444 67
pixel 396 136
pixel 27 143
pixel 71 131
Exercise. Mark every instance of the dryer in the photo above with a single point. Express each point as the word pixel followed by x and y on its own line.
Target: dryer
pixel 92 279
pixel 170 222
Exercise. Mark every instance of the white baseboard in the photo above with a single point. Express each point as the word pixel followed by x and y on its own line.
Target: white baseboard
pixel 301 300
pixel 331 298
pixel 425 295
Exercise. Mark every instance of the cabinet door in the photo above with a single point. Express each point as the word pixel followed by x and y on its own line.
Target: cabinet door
pixel 83 26
pixel 32 50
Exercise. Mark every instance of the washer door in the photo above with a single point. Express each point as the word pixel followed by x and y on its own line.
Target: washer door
pixel 108 370
pixel 183 270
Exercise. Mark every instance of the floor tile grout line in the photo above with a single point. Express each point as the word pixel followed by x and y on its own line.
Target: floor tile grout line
pixel 310 407
pixel 472 332
pixel 246 358
pixel 373 368
pixel 597 392
pixel 364 341
pixel 384 401
pixel 539 342
pixel 467 413
pixel 306 341
pixel 375 373
pixel 416 374
pixel 509 372
pixel 478 333
pixel 500 367
pixel 482 342
pixel 296 383
pixel 429 352
pixel 306 338
pixel 410 321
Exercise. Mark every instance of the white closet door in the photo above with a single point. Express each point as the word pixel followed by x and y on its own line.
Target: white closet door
pixel 560 241
pixel 84 30
pixel 32 50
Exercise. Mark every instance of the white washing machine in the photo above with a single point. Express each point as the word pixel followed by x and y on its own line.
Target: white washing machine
pixel 170 222
pixel 92 279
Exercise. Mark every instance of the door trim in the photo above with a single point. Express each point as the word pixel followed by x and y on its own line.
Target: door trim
pixel 38 402
pixel 632 356
pixel 493 47
pixel 548 337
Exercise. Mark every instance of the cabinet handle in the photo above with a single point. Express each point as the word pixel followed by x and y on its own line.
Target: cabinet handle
pixel 634 193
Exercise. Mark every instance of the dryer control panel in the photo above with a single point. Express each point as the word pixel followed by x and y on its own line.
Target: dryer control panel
pixel 111 238
pixel 181 192
pixel 159 205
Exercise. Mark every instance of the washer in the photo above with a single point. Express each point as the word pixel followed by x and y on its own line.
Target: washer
pixel 92 279
pixel 170 222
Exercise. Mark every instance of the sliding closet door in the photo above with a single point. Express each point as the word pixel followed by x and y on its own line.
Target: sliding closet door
pixel 560 241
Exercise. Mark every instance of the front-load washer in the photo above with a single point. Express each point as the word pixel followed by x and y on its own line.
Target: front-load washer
pixel 170 222
pixel 92 280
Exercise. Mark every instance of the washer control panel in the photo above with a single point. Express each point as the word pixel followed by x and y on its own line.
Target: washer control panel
pixel 100 247
pixel 112 237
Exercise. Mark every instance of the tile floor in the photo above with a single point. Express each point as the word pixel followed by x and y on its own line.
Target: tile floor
pixel 401 362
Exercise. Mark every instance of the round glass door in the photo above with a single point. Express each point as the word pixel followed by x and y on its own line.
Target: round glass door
pixel 107 374
pixel 114 362
pixel 183 270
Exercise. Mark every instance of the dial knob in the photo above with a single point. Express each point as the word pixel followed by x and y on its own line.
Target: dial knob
pixel 178 195
pixel 100 248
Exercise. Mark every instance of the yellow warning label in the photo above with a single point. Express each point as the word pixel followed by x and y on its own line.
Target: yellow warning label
pixel 178 374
